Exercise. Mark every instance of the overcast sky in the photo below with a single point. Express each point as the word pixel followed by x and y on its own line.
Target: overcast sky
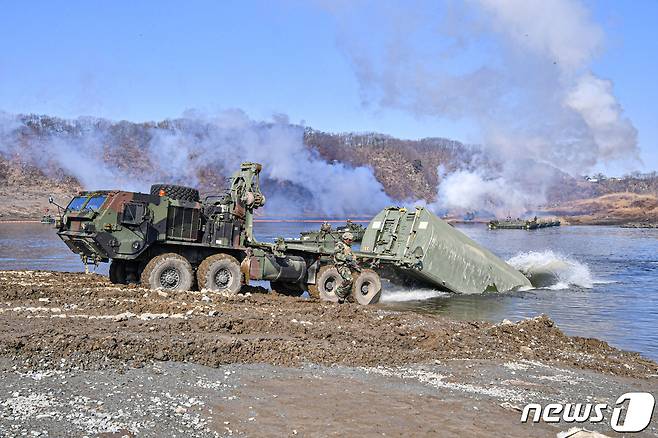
pixel 153 60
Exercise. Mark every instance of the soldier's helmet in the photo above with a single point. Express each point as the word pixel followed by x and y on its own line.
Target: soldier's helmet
pixel 348 237
pixel 325 227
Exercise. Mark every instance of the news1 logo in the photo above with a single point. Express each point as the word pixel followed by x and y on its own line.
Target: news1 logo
pixel 638 412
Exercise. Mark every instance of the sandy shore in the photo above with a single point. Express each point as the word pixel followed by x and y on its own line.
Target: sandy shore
pixel 80 356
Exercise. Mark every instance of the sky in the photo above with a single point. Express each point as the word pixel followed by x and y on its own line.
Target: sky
pixel 145 60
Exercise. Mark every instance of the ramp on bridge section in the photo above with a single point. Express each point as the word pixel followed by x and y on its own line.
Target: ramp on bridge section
pixel 420 245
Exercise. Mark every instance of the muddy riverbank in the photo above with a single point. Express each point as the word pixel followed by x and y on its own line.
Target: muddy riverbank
pixel 427 372
pixel 49 316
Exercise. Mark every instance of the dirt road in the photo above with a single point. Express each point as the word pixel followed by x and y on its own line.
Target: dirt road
pixel 334 369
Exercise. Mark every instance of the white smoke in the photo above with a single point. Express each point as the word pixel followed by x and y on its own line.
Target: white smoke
pixel 77 152
pixel 83 158
pixel 519 69
pixel 558 30
pixel 231 137
pixel 186 151
pixel 614 134
pixel 9 123
pixel 466 190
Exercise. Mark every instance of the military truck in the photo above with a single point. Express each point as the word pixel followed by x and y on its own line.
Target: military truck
pixel 171 239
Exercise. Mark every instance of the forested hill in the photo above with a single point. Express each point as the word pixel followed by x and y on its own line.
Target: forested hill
pixel 40 155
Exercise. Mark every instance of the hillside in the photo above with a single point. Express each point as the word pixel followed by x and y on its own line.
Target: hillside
pixel 406 168
pixel 610 209
pixel 24 190
pixel 42 155
pixel 313 171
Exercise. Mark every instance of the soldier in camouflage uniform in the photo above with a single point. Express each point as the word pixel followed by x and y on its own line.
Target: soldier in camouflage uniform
pixel 325 229
pixel 344 261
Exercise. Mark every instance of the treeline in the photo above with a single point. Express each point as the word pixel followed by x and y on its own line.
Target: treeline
pixel 407 169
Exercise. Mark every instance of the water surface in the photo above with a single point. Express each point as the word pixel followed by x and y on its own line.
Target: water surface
pixel 605 287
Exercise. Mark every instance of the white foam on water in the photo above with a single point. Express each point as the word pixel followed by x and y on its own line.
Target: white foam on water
pixel 551 270
pixel 597 281
pixel 397 295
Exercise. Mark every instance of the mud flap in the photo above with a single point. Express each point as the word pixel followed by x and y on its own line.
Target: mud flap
pixel 312 272
pixel 245 269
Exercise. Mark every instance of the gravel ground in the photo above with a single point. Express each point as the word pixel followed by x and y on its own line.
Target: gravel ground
pixel 448 398
pixel 82 357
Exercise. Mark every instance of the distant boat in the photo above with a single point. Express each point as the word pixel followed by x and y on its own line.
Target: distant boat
pixel 521 224
pixel 639 225
pixel 47 219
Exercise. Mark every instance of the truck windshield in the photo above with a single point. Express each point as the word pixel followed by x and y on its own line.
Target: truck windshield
pixel 95 202
pixel 77 203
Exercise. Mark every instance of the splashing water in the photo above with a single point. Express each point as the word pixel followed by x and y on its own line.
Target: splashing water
pixel 398 295
pixel 551 270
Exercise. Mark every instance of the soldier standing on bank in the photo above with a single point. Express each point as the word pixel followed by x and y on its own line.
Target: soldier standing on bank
pixel 344 261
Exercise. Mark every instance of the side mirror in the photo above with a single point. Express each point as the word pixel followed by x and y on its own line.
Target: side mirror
pixel 59 207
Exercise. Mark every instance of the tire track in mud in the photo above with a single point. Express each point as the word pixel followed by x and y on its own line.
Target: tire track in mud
pixel 75 320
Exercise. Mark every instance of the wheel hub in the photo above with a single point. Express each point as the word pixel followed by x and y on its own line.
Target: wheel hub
pixel 170 278
pixel 365 288
pixel 223 278
pixel 330 284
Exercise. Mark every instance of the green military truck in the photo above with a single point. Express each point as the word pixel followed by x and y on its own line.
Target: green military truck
pixel 171 239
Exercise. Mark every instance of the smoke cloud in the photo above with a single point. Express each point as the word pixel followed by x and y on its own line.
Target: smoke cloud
pixel 520 70
pixel 296 177
pixel 197 150
pixel 472 191
pixel 62 148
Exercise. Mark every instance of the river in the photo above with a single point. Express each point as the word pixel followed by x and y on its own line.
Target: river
pixel 605 287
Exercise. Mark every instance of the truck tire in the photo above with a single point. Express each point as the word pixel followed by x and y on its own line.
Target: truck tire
pixel 176 192
pixel 327 281
pixel 118 272
pixel 367 287
pixel 220 273
pixel 168 271
pixel 289 289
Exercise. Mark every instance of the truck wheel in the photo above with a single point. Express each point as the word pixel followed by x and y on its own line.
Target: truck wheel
pixel 289 289
pixel 327 281
pixel 118 272
pixel 367 287
pixel 220 273
pixel 176 192
pixel 168 271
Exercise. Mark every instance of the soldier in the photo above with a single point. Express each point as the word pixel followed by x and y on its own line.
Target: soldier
pixel 345 262
pixel 325 228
